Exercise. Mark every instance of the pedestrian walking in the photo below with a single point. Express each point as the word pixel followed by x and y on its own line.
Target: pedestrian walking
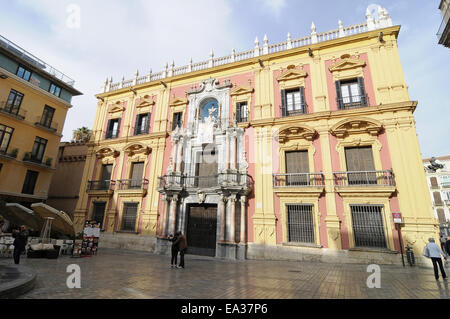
pixel 20 241
pixel 433 251
pixel 447 246
pixel 174 249
pixel 181 244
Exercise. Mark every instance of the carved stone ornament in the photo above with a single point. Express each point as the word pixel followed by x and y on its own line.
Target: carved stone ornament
pixel 297 132
pixel 145 101
pixel 241 90
pixel 201 196
pixel 356 126
pixel 179 101
pixel 107 152
pixel 136 148
pixel 210 85
pixel 347 63
pixel 291 73
pixel 117 108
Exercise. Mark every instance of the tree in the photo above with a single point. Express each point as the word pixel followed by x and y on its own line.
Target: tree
pixel 82 134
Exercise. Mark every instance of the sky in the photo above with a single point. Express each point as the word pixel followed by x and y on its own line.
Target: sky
pixel 90 40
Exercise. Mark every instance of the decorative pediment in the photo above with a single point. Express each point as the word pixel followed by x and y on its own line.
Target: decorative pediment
pixel 241 90
pixel 145 101
pixel 179 101
pixel 117 107
pixel 347 64
pixel 137 148
pixel 296 132
pixel 356 126
pixel 107 152
pixel 292 74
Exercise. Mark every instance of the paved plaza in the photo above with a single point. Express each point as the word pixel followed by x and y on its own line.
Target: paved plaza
pixel 140 275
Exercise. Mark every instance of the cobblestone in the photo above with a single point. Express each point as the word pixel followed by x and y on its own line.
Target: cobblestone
pixel 138 275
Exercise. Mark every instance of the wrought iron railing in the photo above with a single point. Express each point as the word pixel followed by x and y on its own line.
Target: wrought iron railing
pixel 103 185
pixel 11 110
pixel 221 179
pixel 128 184
pixel 298 180
pixel 42 122
pixel 364 178
pixel 298 110
pixel 354 101
pixel 201 181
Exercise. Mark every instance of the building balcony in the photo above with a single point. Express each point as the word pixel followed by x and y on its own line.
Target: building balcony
pixel 31 159
pixel 360 183
pixel 41 123
pixel 132 187
pixel 301 183
pixel 297 110
pixel 9 155
pixel 443 33
pixel 102 187
pixel 445 184
pixel 9 110
pixel 353 102
pixel 229 180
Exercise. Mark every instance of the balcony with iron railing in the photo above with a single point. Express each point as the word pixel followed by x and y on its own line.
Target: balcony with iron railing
pixel 9 155
pixel 10 110
pixel 101 187
pixel 364 178
pixel 45 124
pixel 133 186
pixel 353 102
pixel 32 159
pixel 298 180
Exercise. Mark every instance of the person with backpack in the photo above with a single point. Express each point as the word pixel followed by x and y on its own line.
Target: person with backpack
pixel 434 252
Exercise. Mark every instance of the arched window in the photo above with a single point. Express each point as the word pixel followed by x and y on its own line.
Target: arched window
pixel 209 107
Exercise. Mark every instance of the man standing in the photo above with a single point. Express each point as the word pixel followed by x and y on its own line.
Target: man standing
pixel 181 244
pixel 433 251
pixel 20 242
pixel 447 246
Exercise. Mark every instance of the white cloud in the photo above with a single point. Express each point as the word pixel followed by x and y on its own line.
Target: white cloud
pixel 274 7
pixel 116 38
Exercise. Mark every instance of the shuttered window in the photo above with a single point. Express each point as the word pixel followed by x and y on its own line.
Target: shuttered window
pixel 433 181
pixel 297 168
pixel 137 175
pixel 113 128
pixel 177 120
pixel 351 93
pixel 437 198
pixel 441 215
pixel 142 124
pixel 359 162
pixel 241 112
pixel 293 102
pixel 30 182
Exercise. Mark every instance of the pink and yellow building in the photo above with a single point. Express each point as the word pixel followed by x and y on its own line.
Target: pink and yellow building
pixel 297 150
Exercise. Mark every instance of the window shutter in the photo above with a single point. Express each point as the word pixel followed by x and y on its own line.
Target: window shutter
pixel 136 125
pixel 147 123
pixel 339 101
pixel 441 216
pixel 433 181
pixel 303 101
pixel 283 102
pixel 437 198
pixel 118 128
pixel 238 112
pixel 362 91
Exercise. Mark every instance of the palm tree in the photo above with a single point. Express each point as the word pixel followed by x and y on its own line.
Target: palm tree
pixel 82 134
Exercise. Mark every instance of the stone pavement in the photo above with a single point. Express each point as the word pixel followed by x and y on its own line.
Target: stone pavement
pixel 137 275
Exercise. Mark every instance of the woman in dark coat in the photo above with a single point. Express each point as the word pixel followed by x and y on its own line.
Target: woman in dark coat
pixel 181 244
pixel 173 261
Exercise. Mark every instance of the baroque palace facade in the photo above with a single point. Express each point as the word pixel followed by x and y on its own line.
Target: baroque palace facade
pixel 298 150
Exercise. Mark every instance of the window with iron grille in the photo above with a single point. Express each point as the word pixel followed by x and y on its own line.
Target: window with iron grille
pixel 113 129
pixel 23 73
pixel 129 216
pixel 5 137
pixel 142 124
pixel 241 112
pixel 30 182
pixel 293 102
pixel 368 228
pixel 14 101
pixel 351 93
pixel 300 223
pixel 177 118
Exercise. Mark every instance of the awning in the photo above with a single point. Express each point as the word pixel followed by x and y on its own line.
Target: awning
pixel 61 223
pixel 20 215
